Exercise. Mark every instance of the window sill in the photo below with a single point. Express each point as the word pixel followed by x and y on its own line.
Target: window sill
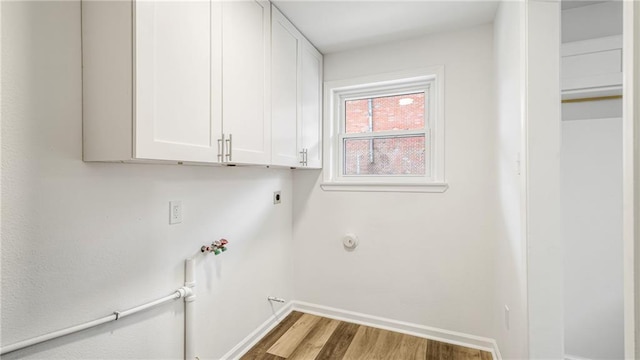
pixel 385 187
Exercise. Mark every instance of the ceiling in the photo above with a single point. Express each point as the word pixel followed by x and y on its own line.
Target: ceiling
pixel 339 25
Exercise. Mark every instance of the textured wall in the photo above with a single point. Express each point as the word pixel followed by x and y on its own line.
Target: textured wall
pixel 80 240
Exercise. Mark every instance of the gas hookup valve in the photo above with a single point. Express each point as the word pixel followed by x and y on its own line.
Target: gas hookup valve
pixel 216 247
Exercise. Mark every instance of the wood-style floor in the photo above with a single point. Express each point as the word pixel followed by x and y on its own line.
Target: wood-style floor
pixel 308 337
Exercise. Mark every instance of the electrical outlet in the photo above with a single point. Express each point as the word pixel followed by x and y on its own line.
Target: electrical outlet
pixel 277 198
pixel 506 317
pixel 175 212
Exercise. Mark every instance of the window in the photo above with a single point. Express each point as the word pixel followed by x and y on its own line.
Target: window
pixel 385 133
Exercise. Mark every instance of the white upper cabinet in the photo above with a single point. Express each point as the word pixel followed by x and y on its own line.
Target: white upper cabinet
pixel 246 85
pixel 191 81
pixel 173 76
pixel 310 138
pixel 286 44
pixel 296 97
pixel 147 81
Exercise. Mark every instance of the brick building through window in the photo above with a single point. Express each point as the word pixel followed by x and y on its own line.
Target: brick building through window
pixel 385 155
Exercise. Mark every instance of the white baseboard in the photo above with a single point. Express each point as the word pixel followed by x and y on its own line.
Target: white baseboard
pixel 431 333
pixel 247 343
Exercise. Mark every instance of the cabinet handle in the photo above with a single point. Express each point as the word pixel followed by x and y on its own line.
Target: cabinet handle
pixel 220 148
pixel 304 154
pixel 306 157
pixel 229 142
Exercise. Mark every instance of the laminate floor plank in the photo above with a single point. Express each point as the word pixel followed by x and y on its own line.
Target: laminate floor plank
pixel 486 355
pixel 339 342
pixel 361 347
pixel 387 346
pixel 439 351
pixel 412 348
pixel 308 337
pixel 266 342
pixel 460 352
pixel 288 342
pixel 432 350
pixel 311 345
pixel 446 351
pixel 267 356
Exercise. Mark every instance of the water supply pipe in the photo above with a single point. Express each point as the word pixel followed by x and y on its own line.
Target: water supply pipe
pixel 182 292
pixel 189 309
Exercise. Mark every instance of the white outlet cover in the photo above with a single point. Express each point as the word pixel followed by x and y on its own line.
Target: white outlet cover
pixel 507 321
pixel 175 212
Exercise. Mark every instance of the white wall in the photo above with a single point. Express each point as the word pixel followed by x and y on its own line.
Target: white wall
pixel 591 173
pixel 424 258
pixel 511 269
pixel 80 240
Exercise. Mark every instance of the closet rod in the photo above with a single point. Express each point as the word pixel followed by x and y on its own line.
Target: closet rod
pixel 180 293
pixel 596 98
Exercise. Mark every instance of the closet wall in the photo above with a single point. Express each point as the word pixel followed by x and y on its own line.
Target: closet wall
pixel 591 180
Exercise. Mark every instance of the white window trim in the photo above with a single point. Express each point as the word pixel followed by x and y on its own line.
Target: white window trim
pixel 334 93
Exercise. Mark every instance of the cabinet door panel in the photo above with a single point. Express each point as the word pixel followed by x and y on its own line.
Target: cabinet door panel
pixel 246 80
pixel 285 49
pixel 311 123
pixel 173 81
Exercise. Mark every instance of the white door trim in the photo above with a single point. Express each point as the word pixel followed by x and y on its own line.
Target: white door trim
pixel 631 127
pixel 541 169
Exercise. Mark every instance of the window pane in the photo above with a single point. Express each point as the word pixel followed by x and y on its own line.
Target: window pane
pixel 400 112
pixel 385 156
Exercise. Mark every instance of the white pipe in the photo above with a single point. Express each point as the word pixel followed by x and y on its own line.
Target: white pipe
pixel 56 334
pixel 182 292
pixel 189 309
pixel 177 295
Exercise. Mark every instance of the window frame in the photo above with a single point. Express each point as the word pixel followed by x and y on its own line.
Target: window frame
pixel 427 80
pixel 417 87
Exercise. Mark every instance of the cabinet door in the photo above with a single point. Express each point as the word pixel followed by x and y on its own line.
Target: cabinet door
pixel 246 86
pixel 310 135
pixel 173 118
pixel 285 85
